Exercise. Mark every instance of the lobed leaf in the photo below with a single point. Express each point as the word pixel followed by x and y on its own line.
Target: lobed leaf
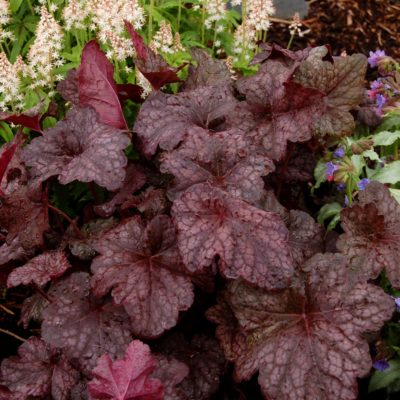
pixel 82 326
pixel 128 378
pixel 306 341
pixel 40 269
pixel 80 148
pixel 250 243
pixel 371 239
pixel 38 370
pixel 143 267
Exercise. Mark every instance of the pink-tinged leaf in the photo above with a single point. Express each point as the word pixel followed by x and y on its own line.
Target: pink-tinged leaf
pixel 143 267
pixel 165 120
pixel 32 309
pixel 38 371
pixel 205 360
pixel 371 238
pixel 171 373
pixel 134 180
pixel 84 327
pixel 151 65
pixel 97 87
pixel 80 148
pixel 28 121
pixel 306 341
pixel 281 109
pixel 209 71
pixel 226 159
pixel 40 269
pixel 251 243
pixel 128 378
pixel 24 215
pixel 341 82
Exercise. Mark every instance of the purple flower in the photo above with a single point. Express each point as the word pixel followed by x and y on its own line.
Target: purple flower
pixel 341 186
pixel 381 365
pixel 397 302
pixel 339 152
pixel 363 183
pixel 380 100
pixel 346 200
pixel 375 85
pixel 331 167
pixel 374 57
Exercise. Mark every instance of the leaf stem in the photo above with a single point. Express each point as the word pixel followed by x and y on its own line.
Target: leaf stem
pixel 349 193
pixel 70 220
pixel 150 28
pixel 12 334
pixel 290 41
pixel 179 14
pixel 7 310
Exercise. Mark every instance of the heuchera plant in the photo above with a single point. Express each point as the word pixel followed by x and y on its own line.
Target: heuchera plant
pixel 186 234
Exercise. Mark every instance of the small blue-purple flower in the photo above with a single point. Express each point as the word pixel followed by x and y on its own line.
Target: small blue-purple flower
pixel 346 200
pixel 375 85
pixel 331 167
pixel 339 152
pixel 380 100
pixel 363 183
pixel 341 186
pixel 397 302
pixel 374 57
pixel 381 365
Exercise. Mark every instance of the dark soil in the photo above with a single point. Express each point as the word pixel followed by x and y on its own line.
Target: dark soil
pixel 354 26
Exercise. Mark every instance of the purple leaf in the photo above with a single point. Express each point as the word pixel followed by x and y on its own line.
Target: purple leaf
pixel 97 87
pixel 38 370
pixel 128 378
pixel 80 148
pixel 143 267
pixel 341 82
pixel 165 120
pixel 151 65
pixel 29 121
pixel 32 309
pixel 69 87
pixel 40 269
pixel 209 71
pixel 371 233
pixel 251 243
pixel 306 341
pixel 84 327
pixel 226 160
pixel 281 109
pixel 129 91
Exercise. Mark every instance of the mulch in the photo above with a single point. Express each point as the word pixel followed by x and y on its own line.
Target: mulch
pixel 353 26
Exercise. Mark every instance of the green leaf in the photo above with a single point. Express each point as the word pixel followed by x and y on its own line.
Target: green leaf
pixel 395 193
pixel 391 121
pixel 386 138
pixel 6 132
pixel 15 5
pixel 388 174
pixel 319 174
pixel 328 211
pixel 387 378
pixel 372 155
pixel 358 162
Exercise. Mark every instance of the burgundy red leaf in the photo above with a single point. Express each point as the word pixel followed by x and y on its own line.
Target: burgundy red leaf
pixel 151 65
pixel 223 159
pixel 28 121
pixel 97 87
pixel 80 148
pixel 251 243
pixel 306 341
pixel 38 371
pixel 143 267
pixel 84 327
pixel 128 378
pixel 371 234
pixel 165 120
